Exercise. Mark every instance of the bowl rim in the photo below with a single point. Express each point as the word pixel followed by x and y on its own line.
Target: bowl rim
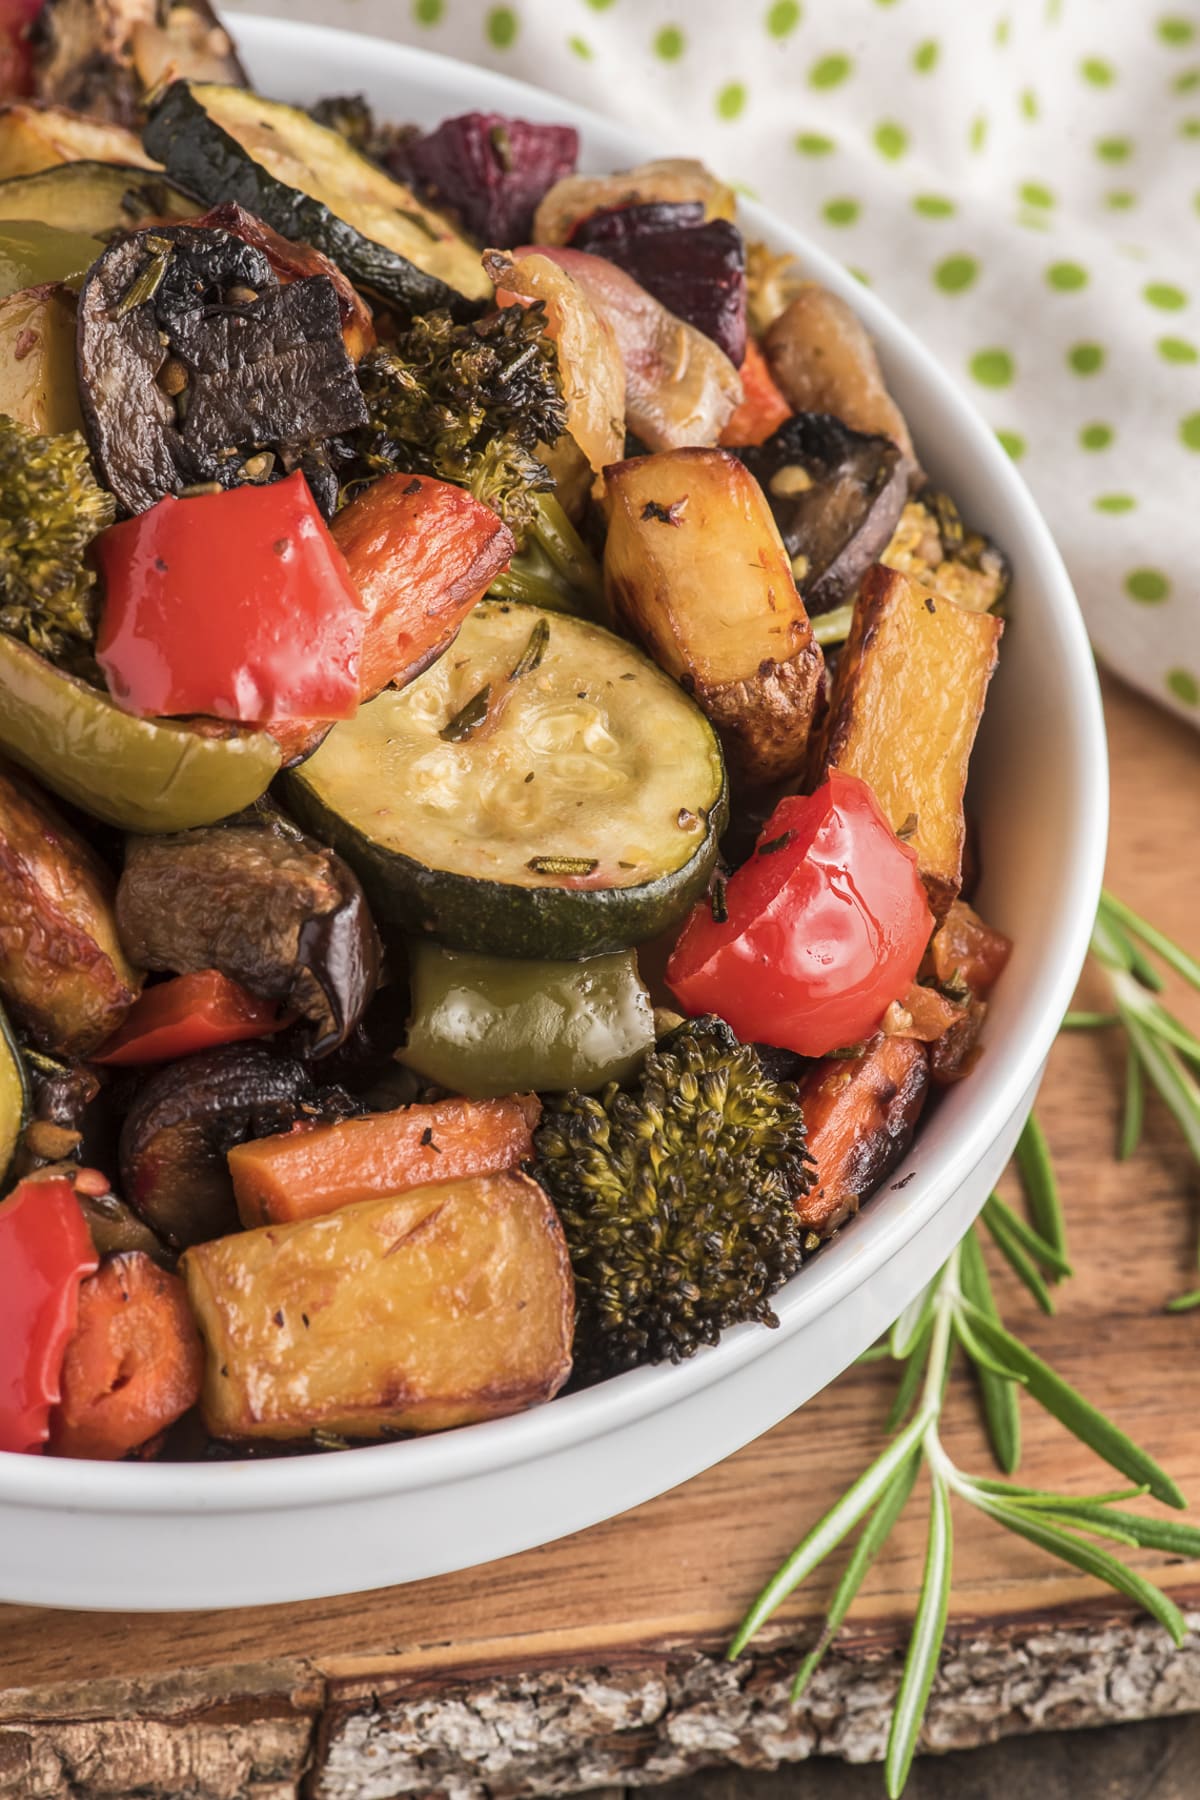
pixel 464 1454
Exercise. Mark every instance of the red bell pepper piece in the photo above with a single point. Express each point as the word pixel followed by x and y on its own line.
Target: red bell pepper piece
pixel 826 925
pixel 45 1252
pixel 191 1012
pixel 238 605
pixel 16 58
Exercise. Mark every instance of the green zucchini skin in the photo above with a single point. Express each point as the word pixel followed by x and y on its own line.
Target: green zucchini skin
pixel 504 917
pixel 16 1098
pixel 203 156
pixel 95 197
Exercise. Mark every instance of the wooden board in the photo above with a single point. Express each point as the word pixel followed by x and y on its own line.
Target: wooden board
pixel 597 1659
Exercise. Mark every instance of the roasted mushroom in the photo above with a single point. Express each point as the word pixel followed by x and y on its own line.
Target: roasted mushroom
pixel 186 1117
pixel 104 56
pixel 62 1093
pixel 266 906
pixel 836 495
pixel 196 367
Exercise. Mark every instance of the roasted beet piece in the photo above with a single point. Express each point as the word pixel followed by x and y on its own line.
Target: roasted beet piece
pixel 695 267
pixel 836 495
pixel 488 172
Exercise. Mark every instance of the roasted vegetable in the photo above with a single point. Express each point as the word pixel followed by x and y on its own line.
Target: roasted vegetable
pixel 45 1252
pixel 297 262
pixel 824 362
pixel 543 791
pixel 836 496
pixel 181 1017
pixel 487 172
pixel 553 567
pixel 443 1306
pixel 352 118
pixel 197 368
pixel 695 266
pixel 105 56
pixel 186 1117
pixel 116 1229
pixel 669 181
pixel 33 254
pixel 95 197
pixel 279 914
pixel 63 1095
pixel 63 975
pixel 965 954
pixel 136 773
pixel 38 389
pixel 50 510
pixel 861 1112
pixel 323 1167
pixel 134 1364
pixel 763 409
pixel 694 569
pixel 906 703
pixel 488 1025
pixel 309 184
pixel 931 545
pixel 680 388
pixel 34 137
pixel 590 371
pixel 15 1098
pixel 678 1198
pixel 467 403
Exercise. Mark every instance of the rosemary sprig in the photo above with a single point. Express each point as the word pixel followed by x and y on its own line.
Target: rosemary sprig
pixel 958 1310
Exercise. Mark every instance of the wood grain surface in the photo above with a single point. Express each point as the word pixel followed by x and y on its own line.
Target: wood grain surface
pixel 611 1638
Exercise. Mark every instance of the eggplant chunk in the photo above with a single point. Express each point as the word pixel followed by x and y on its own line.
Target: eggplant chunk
pixel 860 1113
pixel 823 360
pixel 63 975
pixel 695 569
pixel 449 1304
pixel 836 495
pixel 187 1116
pixel 272 909
pixel 906 703
pixel 197 366
pixel 104 56
pixel 38 387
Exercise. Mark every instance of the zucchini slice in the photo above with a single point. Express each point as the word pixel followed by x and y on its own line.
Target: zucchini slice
pixel 95 197
pixel 14 1098
pixel 229 144
pixel 542 791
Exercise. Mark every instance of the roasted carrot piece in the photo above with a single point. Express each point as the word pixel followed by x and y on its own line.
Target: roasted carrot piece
pixel 134 1365
pixel 964 949
pixel 318 1169
pixel 860 1112
pixel 763 408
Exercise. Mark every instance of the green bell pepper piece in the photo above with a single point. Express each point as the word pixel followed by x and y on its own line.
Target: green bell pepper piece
pixel 141 774
pixel 487 1025
pixel 32 254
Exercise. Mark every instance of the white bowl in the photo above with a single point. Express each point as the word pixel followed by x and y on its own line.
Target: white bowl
pixel 164 1536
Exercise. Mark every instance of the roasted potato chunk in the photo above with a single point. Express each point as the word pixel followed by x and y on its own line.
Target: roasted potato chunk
pixel 860 1112
pixel 822 358
pixel 38 386
pixel 63 974
pixel 695 569
pixel 906 704
pixel 36 137
pixel 446 1305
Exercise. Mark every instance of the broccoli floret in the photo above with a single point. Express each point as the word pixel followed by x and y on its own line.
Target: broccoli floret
pixel 51 507
pixel 678 1198
pixel 467 403
pixel 553 566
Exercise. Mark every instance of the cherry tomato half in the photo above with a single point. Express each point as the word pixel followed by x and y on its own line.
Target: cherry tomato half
pixel 825 925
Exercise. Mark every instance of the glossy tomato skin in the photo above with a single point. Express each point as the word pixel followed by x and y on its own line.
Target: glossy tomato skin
pixel 826 925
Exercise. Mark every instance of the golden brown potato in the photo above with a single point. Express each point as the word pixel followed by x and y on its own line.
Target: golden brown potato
pixel 63 975
pixel 34 137
pixel 860 1112
pixel 822 358
pixel 695 569
pixel 38 385
pixel 906 704
pixel 446 1305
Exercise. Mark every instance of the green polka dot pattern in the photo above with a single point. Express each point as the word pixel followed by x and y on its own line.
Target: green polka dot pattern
pixel 992 368
pixel 1147 585
pixel 956 274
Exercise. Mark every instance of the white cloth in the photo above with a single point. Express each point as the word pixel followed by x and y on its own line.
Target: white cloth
pixel 1019 179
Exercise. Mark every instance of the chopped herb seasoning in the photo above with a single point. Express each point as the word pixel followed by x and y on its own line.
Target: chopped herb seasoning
pixel 533 652
pixel 468 718
pixel 562 865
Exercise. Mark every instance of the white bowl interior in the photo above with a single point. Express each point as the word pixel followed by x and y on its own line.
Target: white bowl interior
pixel 1038 788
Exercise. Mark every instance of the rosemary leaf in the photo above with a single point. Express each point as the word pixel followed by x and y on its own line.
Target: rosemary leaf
pixel 1133 1111
pixel 929 1629
pixel 533 652
pixel 1080 1417
pixel 1028 1238
pixel 997 1394
pixel 1171 953
pixel 1175 1085
pixel 983 1359
pixel 913 1322
pixel 468 718
pixel 910 1381
pixel 1185 1302
pixel 1022 1266
pixel 1089 1021
pixel 1040 1184
pixel 871 1539
pixel 1168 1535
